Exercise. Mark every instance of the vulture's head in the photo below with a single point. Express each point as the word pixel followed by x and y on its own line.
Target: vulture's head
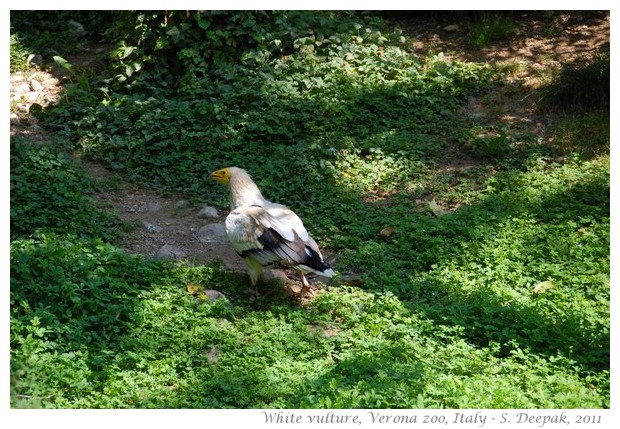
pixel 222 176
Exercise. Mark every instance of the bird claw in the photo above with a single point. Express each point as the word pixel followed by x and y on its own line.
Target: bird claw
pixel 307 291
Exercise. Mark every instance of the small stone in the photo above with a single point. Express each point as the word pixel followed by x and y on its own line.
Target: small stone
pixel 214 295
pixel 76 28
pixel 451 28
pixel 182 204
pixel 21 88
pixel 34 60
pixel 153 206
pixel 35 85
pixel 169 251
pixel 212 233
pixel 208 212
pixel 152 227
pixel 269 275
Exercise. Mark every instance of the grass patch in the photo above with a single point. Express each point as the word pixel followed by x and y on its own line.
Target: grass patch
pixel 586 135
pixel 491 29
pixel 583 85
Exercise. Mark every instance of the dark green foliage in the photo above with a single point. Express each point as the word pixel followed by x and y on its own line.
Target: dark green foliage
pixel 49 32
pixel 71 302
pixel 583 84
pixel 179 47
pixel 491 29
pixel 48 192
pixel 19 55
pixel 584 135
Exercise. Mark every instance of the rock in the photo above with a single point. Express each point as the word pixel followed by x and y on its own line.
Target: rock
pixel 152 227
pixel 351 279
pixel 269 275
pixel 15 118
pixel 31 97
pixel 21 88
pixel 169 251
pixel 182 204
pixel 451 28
pixel 208 212
pixel 76 28
pixel 212 233
pixel 35 85
pixel 34 60
pixel 214 295
pixel 153 206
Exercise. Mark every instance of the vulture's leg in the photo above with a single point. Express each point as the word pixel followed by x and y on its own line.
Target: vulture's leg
pixel 307 289
pixel 254 270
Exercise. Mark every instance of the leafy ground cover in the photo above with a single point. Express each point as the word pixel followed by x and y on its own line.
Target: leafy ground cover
pixel 483 249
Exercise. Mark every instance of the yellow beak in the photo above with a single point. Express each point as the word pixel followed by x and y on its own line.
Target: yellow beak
pixel 222 176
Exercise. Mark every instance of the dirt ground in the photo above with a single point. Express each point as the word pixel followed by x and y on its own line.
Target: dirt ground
pixel 541 42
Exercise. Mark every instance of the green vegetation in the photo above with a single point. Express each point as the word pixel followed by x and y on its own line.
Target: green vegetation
pixel 500 299
pixel 49 192
pixel 580 85
pixel 491 29
pixel 19 55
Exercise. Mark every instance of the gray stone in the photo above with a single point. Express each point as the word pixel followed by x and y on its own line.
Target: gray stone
pixel 36 85
pixel 15 118
pixel 34 60
pixel 169 251
pixel 21 88
pixel 152 227
pixel 76 28
pixel 182 204
pixel 212 233
pixel 451 28
pixel 153 206
pixel 208 212
pixel 269 275
pixel 214 295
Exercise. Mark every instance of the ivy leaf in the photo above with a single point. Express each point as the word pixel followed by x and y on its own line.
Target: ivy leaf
pixel 204 23
pixel 63 63
pixel 437 211
pixel 542 287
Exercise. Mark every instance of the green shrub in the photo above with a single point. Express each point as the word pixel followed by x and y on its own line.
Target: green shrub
pixel 19 55
pixel 582 85
pixel 492 29
pixel 48 192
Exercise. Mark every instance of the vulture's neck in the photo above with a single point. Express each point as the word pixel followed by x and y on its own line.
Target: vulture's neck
pixel 243 191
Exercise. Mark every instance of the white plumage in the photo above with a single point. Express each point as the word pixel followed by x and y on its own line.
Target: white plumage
pixel 263 232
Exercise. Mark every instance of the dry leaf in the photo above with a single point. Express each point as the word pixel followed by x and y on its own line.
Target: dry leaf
pixel 543 286
pixel 193 288
pixel 386 232
pixel 437 211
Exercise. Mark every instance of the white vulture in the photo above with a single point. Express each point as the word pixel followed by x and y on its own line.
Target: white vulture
pixel 263 232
